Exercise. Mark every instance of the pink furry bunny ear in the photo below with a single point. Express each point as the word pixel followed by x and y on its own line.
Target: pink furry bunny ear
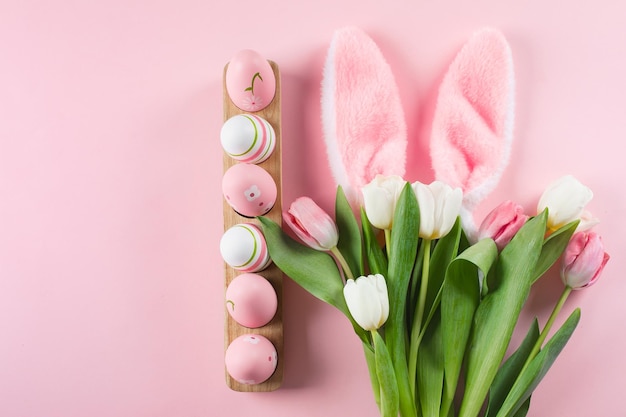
pixel 473 122
pixel 362 118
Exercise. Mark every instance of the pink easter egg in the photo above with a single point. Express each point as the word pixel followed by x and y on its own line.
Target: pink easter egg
pixel 249 189
pixel 251 359
pixel 248 138
pixel 251 300
pixel 250 81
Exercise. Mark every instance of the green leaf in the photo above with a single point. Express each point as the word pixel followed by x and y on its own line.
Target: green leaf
pixel 523 410
pixel 416 278
pixel 315 271
pixel 445 250
pixel 370 359
pixel 553 247
pixel 499 311
pixel 538 367
pixel 509 371
pixel 404 236
pixel 349 243
pixel 459 300
pixel 389 396
pixel 376 259
pixel 430 369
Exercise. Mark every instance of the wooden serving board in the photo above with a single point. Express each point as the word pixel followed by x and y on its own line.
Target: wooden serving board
pixel 273 165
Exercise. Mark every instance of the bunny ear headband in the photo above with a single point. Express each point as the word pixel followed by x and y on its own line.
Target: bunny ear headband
pixel 364 126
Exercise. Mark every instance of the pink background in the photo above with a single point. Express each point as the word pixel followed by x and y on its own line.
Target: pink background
pixel 111 284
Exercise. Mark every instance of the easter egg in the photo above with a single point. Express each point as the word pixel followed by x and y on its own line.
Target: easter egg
pixel 243 247
pixel 249 189
pixel 251 300
pixel 250 81
pixel 251 359
pixel 248 138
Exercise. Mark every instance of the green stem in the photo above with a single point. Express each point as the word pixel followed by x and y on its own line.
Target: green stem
pixel 544 333
pixel 388 241
pixel 371 367
pixel 419 315
pixel 342 262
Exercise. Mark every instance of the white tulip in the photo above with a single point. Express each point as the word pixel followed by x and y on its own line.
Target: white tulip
pixel 367 300
pixel 439 206
pixel 565 200
pixel 380 197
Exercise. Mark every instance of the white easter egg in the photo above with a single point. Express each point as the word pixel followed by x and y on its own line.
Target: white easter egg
pixel 243 247
pixel 248 138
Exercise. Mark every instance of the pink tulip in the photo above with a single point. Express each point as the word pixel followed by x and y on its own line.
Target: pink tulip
pixel 311 224
pixel 583 260
pixel 502 223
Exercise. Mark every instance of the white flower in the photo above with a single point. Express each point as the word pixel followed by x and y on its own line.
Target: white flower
pixel 252 340
pixel 252 193
pixel 439 206
pixel 380 198
pixel 252 103
pixel 367 300
pixel 565 200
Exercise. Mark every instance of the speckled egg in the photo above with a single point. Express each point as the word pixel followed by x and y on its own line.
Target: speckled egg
pixel 250 81
pixel 251 359
pixel 249 189
pixel 248 138
pixel 243 247
pixel 251 300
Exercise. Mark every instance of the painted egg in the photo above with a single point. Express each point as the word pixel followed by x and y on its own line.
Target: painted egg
pixel 251 300
pixel 248 138
pixel 250 81
pixel 251 359
pixel 243 247
pixel 249 189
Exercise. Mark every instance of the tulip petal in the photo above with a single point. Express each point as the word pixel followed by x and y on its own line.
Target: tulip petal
pixel 565 200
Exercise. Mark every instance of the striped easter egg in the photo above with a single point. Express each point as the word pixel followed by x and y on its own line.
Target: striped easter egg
pixel 243 247
pixel 248 138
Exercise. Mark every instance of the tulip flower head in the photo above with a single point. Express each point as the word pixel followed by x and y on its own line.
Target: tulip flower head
pixel 565 200
pixel 367 300
pixel 380 197
pixel 439 206
pixel 583 260
pixel 312 224
pixel 502 223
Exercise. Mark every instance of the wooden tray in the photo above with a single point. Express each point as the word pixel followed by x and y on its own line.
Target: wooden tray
pixel 273 165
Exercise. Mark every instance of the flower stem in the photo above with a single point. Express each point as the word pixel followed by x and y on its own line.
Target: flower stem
pixel 544 333
pixel 419 314
pixel 388 241
pixel 342 261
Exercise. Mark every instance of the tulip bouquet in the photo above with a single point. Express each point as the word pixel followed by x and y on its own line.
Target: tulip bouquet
pixel 434 304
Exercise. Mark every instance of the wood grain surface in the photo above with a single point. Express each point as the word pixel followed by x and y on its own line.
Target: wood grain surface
pixel 273 165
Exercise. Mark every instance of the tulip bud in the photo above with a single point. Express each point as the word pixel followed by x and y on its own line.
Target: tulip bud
pixel 587 221
pixel 565 200
pixel 367 300
pixel 380 198
pixel 312 224
pixel 502 223
pixel 439 206
pixel 583 260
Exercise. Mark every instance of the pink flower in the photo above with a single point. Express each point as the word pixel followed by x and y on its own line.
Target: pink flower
pixel 502 223
pixel 583 260
pixel 311 224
